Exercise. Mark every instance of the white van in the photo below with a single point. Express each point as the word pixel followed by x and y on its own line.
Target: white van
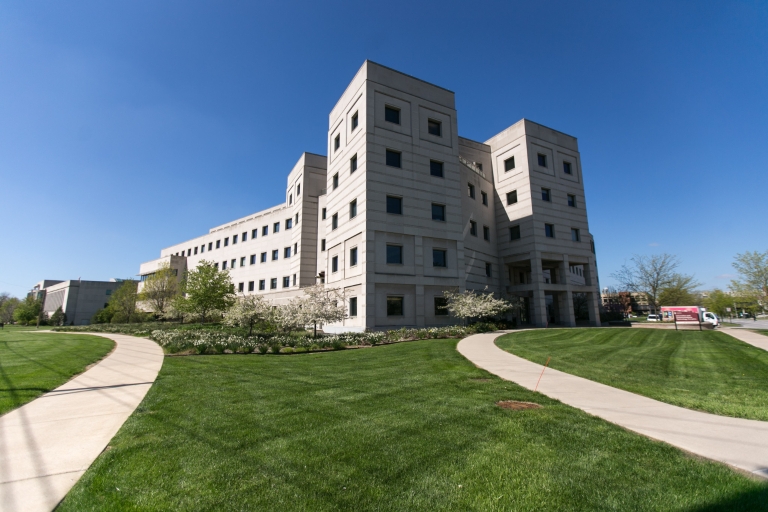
pixel 654 318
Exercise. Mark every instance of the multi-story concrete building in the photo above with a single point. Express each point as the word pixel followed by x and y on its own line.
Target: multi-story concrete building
pixel 78 299
pixel 402 209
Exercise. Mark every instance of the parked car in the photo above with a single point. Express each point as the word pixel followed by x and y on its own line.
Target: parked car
pixel 654 318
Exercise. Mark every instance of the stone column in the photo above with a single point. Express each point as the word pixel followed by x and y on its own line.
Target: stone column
pixel 538 303
pixel 567 315
pixel 593 297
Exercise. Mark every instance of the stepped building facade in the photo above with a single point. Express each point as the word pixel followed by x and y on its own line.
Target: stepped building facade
pixel 402 209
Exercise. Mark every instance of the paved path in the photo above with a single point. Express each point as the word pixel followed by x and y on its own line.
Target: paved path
pixel 47 444
pixel 738 442
pixel 753 338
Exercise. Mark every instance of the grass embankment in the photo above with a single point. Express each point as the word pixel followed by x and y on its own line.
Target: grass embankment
pixel 703 370
pixel 33 363
pixel 411 426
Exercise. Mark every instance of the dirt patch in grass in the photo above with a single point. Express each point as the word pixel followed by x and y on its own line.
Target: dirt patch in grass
pixel 513 405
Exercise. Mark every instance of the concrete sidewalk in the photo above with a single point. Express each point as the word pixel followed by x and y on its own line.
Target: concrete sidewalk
pixel 753 338
pixel 47 444
pixel 738 442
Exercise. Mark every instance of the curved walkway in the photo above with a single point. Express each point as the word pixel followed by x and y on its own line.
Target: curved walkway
pixel 47 444
pixel 739 442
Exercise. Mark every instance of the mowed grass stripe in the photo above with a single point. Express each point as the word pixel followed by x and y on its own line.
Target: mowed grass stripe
pixel 412 426
pixel 702 370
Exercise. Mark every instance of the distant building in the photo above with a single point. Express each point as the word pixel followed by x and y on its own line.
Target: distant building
pixel 625 302
pixel 78 299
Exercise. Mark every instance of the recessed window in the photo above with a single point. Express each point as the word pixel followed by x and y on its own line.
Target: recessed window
pixel 435 127
pixel 273 283
pixel 542 160
pixel 250 286
pixel 264 230
pixel 353 164
pixel 438 212
pixel 353 306
pixel 275 254
pixel 354 121
pixel 223 265
pixel 394 254
pixel 210 246
pixel 287 252
pixel 240 287
pixel 509 164
pixel 242 261
pixel 276 227
pixel 290 198
pixel 288 223
pixel 486 233
pixel 439 258
pixel 234 240
pixel 195 249
pixel 394 306
pixel 262 284
pixel 545 194
pixel 244 236
pixel 471 190
pixel 218 243
pixel 335 181
pixel 441 306
pixel 294 279
pixel 549 230
pixel 322 244
pixel 335 264
pixel 298 191
pixel 567 168
pixel 484 197
pixel 254 232
pixel 592 245
pixel 393 158
pixel 353 209
pixel 297 219
pixel 323 216
pixel 202 248
pixel 253 259
pixel 337 142
pixel 263 257
pixel 488 270
pixel 334 221
pixel 391 114
pixel 575 235
pixel 233 263
pixel 353 257
pixel 395 205
pixel 296 248
pixel 514 233
pixel 572 200
pixel 473 228
pixel 287 282
pixel 226 241
pixel 436 168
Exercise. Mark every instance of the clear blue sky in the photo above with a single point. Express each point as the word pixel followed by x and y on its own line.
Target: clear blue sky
pixel 126 127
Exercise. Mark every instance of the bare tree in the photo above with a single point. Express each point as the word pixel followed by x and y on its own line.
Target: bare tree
pixel 650 275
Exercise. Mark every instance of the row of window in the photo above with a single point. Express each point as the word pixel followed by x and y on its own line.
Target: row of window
pixel 549 232
pixel 335 259
pixel 289 223
pixel 263 284
pixel 471 193
pixel 509 164
pixel 546 195
pixel 263 258
pixel 395 305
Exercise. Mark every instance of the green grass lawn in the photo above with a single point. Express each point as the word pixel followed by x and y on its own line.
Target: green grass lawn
pixel 412 426
pixel 761 331
pixel 33 363
pixel 704 370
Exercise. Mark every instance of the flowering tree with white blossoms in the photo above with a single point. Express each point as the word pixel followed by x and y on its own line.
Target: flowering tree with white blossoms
pixel 320 305
pixel 471 304
pixel 248 311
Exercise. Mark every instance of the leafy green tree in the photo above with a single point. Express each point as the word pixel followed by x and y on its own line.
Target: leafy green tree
pixel 103 316
pixel 752 284
pixel 7 307
pixel 28 310
pixel 719 301
pixel 159 290
pixel 680 292
pixel 58 317
pixel 123 302
pixel 205 289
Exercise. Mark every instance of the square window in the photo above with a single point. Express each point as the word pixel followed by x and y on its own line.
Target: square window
pixel 484 196
pixel 287 282
pixel 438 212
pixel 575 235
pixel 509 164
pixel 276 227
pixel 542 160
pixel 393 158
pixel 322 244
pixel 323 215
pixel 288 223
pixel 441 306
pixel 264 230
pixel 394 306
pixel 273 283
pixel 473 228
pixel 337 142
pixel 572 200
pixel 488 270
pixel 250 286
pixel 242 261
pixel 353 257
pixel 218 243
pixel 511 197
pixel 514 233
pixel 395 205
pixel 234 240
pixel 335 264
pixel 226 241
pixel 394 254
pixel 471 190
pixel 435 127
pixel 354 121
pixel 436 168
pixel 353 306
pixel 241 287
pixel 275 254
pixel 439 258
pixel 353 209
pixel 352 164
pixel 263 257
pixel 391 114
pixel 486 233
pixel 335 221
pixel 335 181
pixel 287 252
pixel 253 259
pixel 549 230
pixel 223 265
pixel 545 194
pixel 567 167
pixel 262 284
